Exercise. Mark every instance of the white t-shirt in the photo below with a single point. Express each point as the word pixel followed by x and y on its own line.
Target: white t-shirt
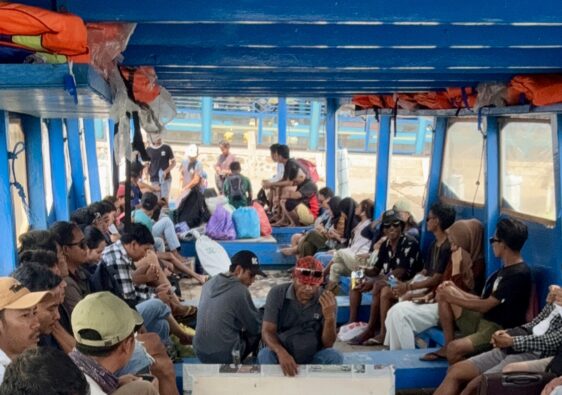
pixel 4 362
pixel 95 389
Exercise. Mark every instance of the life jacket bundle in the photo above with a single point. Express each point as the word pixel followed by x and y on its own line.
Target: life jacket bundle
pixel 541 89
pixel 141 83
pixel 310 169
pixel 44 32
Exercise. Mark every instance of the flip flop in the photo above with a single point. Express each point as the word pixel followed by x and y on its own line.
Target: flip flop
pixel 356 341
pixel 432 356
pixel 372 342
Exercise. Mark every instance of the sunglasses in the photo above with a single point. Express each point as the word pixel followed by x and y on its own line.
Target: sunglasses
pixel 494 240
pixel 395 224
pixel 82 244
pixel 309 273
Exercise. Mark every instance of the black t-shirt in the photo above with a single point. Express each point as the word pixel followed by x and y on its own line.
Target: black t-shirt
pixel 512 287
pixel 407 256
pixel 439 257
pixel 307 189
pixel 159 160
pixel 291 169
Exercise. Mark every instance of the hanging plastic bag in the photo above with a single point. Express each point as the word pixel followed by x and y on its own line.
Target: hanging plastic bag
pixel 491 94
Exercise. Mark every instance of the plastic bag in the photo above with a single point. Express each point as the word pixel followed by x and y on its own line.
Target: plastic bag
pixel 213 202
pixel 491 94
pixel 247 223
pixel 212 256
pixel 220 225
pixel 106 42
pixel 349 331
pixel 265 226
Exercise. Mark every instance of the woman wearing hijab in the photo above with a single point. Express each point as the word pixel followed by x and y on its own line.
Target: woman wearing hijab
pixel 317 239
pixel 416 314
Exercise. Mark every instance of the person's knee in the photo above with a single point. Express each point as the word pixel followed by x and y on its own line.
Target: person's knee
pixel 330 356
pixel 386 293
pixel 267 357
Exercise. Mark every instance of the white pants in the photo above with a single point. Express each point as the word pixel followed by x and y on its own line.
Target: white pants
pixel 405 319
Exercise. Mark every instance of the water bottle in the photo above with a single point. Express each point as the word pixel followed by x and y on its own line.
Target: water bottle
pixel 392 281
pixel 236 357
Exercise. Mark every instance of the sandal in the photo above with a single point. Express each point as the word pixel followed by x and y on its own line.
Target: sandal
pixel 433 356
pixel 372 342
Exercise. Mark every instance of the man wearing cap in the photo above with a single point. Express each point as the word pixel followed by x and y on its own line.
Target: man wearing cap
pixel 19 325
pixel 161 164
pixel 227 321
pixel 104 328
pixel 399 256
pixel 299 323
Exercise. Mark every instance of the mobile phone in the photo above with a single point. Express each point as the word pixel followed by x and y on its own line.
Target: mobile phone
pixel 146 377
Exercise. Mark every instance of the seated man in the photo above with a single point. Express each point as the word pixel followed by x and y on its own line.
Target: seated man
pixel 227 319
pixel 290 168
pixel 539 338
pixel 299 323
pixel 399 256
pixel 299 207
pixel 503 303
pixel 19 325
pixel 104 328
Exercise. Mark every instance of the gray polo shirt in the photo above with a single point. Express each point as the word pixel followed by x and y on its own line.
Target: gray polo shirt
pixel 283 309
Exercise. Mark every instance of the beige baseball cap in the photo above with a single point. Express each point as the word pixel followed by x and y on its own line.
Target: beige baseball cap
pixel 106 314
pixel 14 296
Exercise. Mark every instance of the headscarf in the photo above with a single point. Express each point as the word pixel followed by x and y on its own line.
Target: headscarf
pixel 347 206
pixel 467 235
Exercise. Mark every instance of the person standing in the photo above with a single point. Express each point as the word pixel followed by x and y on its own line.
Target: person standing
pixel 222 167
pixel 161 164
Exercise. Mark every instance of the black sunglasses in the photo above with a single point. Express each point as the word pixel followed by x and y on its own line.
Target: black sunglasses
pixel 494 240
pixel 82 244
pixel 395 224
pixel 310 273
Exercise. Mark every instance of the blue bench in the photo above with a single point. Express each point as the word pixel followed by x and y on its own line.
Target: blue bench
pixel 411 373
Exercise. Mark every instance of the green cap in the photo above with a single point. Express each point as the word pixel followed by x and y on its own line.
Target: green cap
pixel 106 314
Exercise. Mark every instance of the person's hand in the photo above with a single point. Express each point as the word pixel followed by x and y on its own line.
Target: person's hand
pixel 288 364
pixel 164 293
pixel 328 304
pixel 400 289
pixel 364 255
pixel 155 188
pixel 445 284
pixel 551 386
pixel 266 184
pixel 366 284
pixel 501 339
pixel 378 244
pixel 552 291
pixel 152 273
pixel 127 378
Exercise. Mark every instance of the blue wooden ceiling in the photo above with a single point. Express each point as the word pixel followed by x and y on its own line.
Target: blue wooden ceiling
pixel 331 48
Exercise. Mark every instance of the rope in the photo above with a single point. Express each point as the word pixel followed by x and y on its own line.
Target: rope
pixel 13 155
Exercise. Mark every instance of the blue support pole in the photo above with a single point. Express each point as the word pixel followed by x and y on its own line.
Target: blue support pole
pixel 8 228
pixel 315 114
pixel 92 159
pixel 492 190
pixel 282 121
pixel 557 146
pixel 367 132
pixel 420 135
pixel 207 120
pixel 383 165
pixel 76 163
pixel 331 142
pixel 113 168
pixel 434 179
pixel 58 169
pixel 260 128
pixel 35 174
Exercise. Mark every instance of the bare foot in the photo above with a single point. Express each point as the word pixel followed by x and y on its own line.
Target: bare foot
pixel 288 251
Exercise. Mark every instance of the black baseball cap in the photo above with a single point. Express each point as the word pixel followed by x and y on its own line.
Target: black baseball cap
pixel 247 260
pixel 149 201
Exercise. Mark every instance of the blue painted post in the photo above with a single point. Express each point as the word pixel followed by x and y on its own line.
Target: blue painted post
pixel 92 159
pixel 35 175
pixel 434 179
pixel 282 121
pixel 492 190
pixel 8 228
pixel 558 169
pixel 331 142
pixel 260 128
pixel 420 136
pixel 58 169
pixel 207 120
pixel 315 114
pixel 367 132
pixel 113 167
pixel 383 165
pixel 76 164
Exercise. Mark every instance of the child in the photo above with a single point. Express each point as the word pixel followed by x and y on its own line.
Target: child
pixel 237 188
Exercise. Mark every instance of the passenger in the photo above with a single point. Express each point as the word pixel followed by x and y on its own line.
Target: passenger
pixel 267 184
pixel 532 341
pixel 101 214
pixel 192 171
pixel 317 239
pixel 227 320
pixel 237 188
pixel 321 224
pixel 286 184
pixel 134 267
pixel 37 278
pixel 46 258
pixel 82 217
pixel 19 329
pixel 398 258
pixel 299 323
pixel 299 207
pixel 164 231
pixel 162 162
pixel 43 240
pixel 503 303
pixel 104 329
pixel 411 227
pixel 43 371
pixel 347 260
pixel 95 243
pixel 222 167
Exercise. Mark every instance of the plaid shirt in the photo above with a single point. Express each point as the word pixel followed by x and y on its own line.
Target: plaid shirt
pixel 115 256
pixel 546 345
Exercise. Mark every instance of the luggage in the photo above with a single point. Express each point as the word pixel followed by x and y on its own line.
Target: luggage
pixel 309 168
pixel 247 223
pixel 192 209
pixel 212 256
pixel 517 383
pixel 265 226
pixel 220 226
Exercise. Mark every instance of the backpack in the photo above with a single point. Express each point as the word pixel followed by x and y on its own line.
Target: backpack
pixel 192 209
pixel 103 279
pixel 310 169
pixel 236 190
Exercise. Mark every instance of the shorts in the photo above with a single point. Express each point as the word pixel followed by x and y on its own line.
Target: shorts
pixel 495 360
pixel 478 330
pixel 305 215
